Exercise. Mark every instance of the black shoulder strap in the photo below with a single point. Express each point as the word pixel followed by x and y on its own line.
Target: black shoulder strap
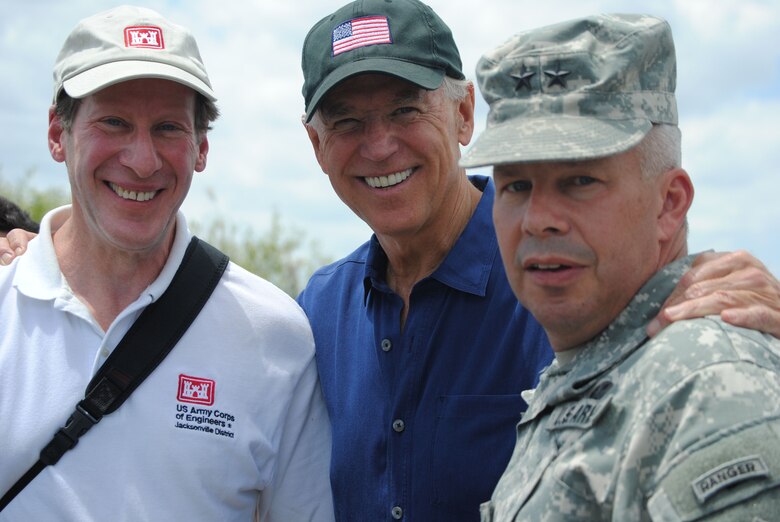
pixel 144 346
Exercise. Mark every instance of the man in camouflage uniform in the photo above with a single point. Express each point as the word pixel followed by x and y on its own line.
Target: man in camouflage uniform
pixel 590 213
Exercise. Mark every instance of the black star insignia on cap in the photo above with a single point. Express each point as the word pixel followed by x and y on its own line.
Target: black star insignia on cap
pixel 524 78
pixel 557 76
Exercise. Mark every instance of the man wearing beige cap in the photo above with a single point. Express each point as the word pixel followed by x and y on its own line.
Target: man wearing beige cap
pixel 231 424
pixel 590 214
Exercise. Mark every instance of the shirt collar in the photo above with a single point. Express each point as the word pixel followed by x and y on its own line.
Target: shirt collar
pixel 38 274
pixel 468 264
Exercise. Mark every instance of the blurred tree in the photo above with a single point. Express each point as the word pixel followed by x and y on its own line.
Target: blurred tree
pixel 279 255
pixel 34 200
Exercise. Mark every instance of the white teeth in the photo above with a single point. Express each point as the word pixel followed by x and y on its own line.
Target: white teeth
pixel 388 181
pixel 131 194
pixel 547 267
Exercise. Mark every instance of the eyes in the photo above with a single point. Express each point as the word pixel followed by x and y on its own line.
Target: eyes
pixel 402 115
pixel 521 185
pixel 113 122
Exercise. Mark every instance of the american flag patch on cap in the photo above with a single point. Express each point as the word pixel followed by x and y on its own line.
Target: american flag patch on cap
pixel 360 32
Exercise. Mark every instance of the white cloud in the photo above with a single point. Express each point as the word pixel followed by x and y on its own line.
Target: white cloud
pixel 260 158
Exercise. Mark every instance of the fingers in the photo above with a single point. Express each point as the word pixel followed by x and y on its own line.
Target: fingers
pixel 690 308
pixel 755 318
pixel 740 308
pixel 6 252
pixel 734 285
pixel 14 244
pixel 710 267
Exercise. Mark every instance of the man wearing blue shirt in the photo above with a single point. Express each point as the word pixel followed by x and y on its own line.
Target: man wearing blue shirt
pixel 422 348
pixel 429 407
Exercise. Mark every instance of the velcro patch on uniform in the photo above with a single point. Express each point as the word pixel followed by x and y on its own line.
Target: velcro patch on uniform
pixel 734 471
pixel 582 414
pixel 727 475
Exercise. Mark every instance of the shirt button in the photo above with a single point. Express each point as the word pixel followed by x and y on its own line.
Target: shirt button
pixel 104 352
pixel 397 513
pixel 398 425
pixel 387 345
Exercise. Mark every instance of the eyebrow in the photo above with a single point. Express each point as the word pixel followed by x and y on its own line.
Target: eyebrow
pixel 334 109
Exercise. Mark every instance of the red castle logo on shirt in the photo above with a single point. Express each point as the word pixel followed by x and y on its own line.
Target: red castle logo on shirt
pixel 196 390
pixel 146 36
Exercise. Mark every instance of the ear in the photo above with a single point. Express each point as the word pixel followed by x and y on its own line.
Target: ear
pixel 466 114
pixel 55 136
pixel 314 138
pixel 677 196
pixel 203 152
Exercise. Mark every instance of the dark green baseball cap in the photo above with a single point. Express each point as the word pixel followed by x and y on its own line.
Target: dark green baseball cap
pixel 403 38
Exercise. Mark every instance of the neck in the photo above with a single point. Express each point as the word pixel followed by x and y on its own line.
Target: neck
pixel 412 258
pixel 675 248
pixel 671 251
pixel 105 279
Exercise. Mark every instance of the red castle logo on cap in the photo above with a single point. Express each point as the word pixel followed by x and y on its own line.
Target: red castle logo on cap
pixel 196 390
pixel 144 36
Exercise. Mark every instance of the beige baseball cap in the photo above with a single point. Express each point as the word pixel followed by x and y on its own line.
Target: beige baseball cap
pixel 127 43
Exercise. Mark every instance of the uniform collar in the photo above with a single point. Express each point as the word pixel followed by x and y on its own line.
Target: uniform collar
pixel 467 266
pixel 561 383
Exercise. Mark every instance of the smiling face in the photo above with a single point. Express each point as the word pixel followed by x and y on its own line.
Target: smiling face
pixel 579 239
pixel 391 151
pixel 130 154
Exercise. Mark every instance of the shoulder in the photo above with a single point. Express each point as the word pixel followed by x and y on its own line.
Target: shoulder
pixel 355 261
pixel 697 343
pixel 340 276
pixel 243 300
pixel 698 402
pixel 687 360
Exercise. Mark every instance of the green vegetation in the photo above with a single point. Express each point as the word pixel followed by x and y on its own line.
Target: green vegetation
pixel 33 200
pixel 281 255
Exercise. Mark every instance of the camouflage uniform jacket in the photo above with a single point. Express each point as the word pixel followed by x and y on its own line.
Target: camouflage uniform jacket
pixel 681 427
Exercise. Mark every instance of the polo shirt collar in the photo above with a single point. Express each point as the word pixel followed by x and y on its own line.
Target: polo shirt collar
pixel 468 264
pixel 38 275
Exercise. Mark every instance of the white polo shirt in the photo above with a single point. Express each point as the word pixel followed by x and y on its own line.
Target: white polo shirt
pixel 230 425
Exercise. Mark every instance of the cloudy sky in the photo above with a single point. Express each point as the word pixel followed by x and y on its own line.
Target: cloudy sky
pixel 261 161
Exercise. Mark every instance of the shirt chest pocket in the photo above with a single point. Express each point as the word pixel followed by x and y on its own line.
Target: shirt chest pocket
pixel 474 437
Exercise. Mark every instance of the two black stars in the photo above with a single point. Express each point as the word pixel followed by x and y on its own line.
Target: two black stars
pixel 557 77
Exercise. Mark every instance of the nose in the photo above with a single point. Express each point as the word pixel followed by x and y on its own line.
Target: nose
pixel 140 155
pixel 544 214
pixel 379 140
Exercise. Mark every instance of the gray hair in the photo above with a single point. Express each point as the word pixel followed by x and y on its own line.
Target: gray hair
pixel 660 150
pixel 454 89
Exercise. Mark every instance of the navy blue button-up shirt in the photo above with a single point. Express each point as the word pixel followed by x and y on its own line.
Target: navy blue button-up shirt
pixel 423 419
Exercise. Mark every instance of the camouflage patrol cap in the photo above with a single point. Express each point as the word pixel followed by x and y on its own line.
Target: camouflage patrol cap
pixel 577 90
